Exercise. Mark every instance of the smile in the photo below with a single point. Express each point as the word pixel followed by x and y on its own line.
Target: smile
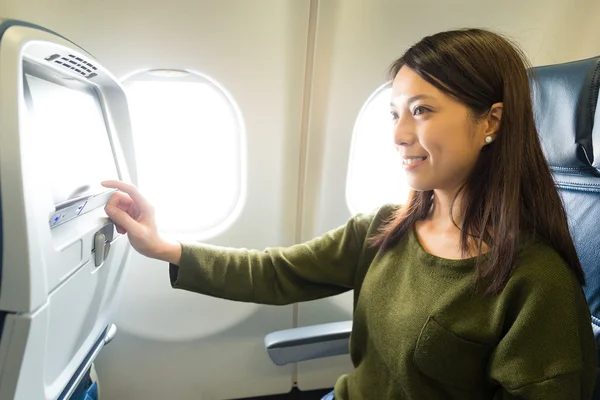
pixel 412 162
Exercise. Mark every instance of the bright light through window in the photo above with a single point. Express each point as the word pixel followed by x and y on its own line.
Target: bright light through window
pixel 375 176
pixel 189 148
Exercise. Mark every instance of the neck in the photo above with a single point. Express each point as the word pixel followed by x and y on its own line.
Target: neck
pixel 441 221
pixel 441 214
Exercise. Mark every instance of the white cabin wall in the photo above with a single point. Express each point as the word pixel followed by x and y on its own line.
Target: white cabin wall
pixel 357 41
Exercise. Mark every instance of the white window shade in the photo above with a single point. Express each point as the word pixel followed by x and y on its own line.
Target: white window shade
pixel 190 150
pixel 375 175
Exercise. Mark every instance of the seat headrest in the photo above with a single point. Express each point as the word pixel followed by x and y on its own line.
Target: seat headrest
pixel 565 99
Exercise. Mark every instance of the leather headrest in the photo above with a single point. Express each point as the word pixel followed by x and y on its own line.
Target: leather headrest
pixel 565 99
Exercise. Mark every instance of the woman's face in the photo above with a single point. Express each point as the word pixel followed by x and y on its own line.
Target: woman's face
pixel 437 137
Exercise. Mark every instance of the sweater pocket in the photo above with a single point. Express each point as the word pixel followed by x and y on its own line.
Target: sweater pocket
pixel 451 360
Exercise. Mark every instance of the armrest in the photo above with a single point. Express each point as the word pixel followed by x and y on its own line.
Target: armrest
pixel 309 342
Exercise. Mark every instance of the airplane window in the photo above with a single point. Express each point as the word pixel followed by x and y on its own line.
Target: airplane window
pixel 375 176
pixel 190 150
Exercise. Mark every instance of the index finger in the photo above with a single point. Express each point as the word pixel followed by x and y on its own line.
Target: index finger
pixel 131 190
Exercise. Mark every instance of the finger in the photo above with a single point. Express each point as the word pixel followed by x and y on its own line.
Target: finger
pixel 120 199
pixel 130 190
pixel 122 219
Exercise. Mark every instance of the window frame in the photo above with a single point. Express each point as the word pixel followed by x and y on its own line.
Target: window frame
pixel 189 75
pixel 350 202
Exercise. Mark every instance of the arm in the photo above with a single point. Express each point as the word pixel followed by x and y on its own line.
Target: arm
pixel 548 349
pixel 322 267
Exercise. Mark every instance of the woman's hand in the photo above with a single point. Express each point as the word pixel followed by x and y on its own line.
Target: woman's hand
pixel 134 215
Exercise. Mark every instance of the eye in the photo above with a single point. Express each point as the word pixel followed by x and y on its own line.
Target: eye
pixel 394 115
pixel 420 110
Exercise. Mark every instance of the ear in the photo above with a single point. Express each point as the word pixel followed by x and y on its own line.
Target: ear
pixel 493 120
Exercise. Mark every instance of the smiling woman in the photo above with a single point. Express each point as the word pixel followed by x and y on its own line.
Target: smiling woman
pixel 450 302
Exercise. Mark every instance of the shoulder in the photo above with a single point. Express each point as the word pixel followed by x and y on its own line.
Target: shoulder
pixel 363 226
pixel 371 222
pixel 539 265
pixel 542 278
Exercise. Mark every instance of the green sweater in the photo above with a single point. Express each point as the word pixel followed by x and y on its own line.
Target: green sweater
pixel 419 330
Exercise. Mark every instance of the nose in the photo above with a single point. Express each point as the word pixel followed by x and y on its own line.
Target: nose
pixel 404 134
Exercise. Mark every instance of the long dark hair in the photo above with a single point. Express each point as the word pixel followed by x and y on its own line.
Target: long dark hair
pixel 510 194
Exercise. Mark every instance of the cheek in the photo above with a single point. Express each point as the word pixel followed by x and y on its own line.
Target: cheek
pixel 439 142
pixel 449 145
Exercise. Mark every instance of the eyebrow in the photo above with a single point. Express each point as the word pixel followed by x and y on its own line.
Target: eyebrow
pixel 414 98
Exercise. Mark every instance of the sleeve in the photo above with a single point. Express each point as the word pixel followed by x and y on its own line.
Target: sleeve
pixel 322 267
pixel 548 349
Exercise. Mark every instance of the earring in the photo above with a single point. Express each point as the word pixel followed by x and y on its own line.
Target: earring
pixel 489 139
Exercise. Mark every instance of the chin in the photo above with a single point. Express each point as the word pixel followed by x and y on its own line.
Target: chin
pixel 419 186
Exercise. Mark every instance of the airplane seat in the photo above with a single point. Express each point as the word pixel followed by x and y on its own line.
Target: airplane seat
pixel 565 100
pixel 64 127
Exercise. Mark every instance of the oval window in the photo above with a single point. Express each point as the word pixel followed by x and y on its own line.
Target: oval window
pixel 190 150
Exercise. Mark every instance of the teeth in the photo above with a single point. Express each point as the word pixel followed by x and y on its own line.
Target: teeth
pixel 412 160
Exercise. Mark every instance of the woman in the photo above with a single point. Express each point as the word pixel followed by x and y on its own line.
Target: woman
pixel 472 289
